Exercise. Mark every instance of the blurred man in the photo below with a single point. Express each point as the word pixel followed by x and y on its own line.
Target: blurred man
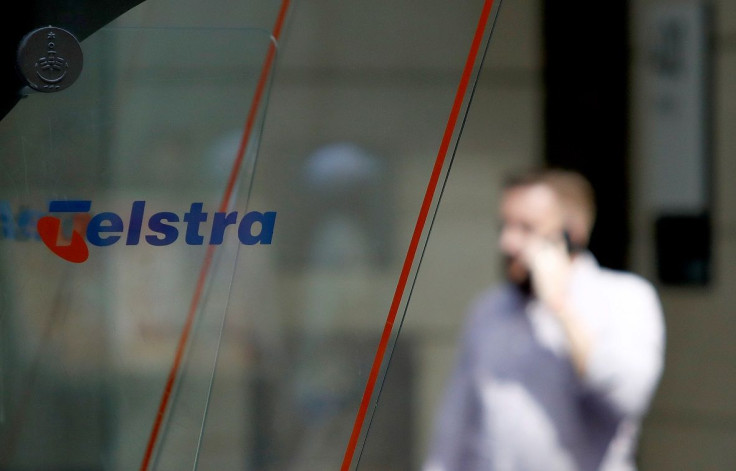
pixel 556 367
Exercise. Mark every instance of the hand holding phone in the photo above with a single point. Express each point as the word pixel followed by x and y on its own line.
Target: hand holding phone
pixel 550 266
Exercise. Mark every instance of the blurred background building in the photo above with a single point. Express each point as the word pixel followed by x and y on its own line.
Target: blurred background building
pixel 355 111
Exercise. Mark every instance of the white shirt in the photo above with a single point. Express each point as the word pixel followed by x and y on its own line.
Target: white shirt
pixel 515 402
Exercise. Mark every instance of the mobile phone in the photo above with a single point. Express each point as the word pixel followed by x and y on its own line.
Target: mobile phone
pixel 571 247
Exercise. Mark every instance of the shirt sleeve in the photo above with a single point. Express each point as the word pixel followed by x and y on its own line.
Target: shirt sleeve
pixel 627 355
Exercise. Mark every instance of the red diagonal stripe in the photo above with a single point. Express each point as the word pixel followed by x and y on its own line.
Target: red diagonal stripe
pixel 207 263
pixel 418 229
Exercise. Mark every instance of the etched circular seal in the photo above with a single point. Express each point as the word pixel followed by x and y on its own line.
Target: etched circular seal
pixel 50 59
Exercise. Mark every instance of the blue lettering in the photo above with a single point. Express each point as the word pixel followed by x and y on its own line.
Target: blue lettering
pixel 193 218
pixel 98 225
pixel 267 221
pixel 7 222
pixel 73 206
pixel 219 223
pixel 136 222
pixel 107 228
pixel 169 232
pixel 27 220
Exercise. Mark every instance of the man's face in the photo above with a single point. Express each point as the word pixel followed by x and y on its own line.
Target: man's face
pixel 527 213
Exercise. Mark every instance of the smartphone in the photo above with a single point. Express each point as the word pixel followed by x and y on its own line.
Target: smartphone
pixel 571 247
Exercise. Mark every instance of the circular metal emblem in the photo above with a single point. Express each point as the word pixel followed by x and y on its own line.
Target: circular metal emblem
pixel 50 59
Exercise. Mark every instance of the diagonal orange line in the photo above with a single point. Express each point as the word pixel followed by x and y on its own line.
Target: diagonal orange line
pixel 207 263
pixel 418 229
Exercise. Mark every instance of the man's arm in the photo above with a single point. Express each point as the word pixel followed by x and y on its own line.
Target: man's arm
pixel 580 341
pixel 624 366
pixel 551 268
pixel 621 364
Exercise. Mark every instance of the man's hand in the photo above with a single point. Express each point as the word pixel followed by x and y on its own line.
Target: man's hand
pixel 550 267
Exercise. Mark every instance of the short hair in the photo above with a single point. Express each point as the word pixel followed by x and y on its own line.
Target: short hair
pixel 574 191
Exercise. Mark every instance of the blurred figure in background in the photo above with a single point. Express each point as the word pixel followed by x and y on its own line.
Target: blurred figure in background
pixel 556 367
pixel 344 243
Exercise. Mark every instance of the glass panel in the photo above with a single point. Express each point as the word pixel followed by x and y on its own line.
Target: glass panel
pixel 136 158
pixel 284 336
pixel 355 125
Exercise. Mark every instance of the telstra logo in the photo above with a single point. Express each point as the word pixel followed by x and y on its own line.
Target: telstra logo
pixel 108 228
